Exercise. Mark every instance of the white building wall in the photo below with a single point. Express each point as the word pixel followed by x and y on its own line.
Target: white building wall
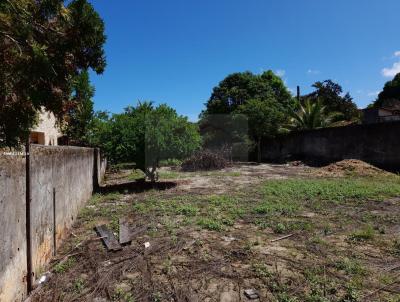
pixel 47 125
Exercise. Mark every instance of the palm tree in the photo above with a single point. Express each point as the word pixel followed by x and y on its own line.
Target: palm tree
pixel 312 115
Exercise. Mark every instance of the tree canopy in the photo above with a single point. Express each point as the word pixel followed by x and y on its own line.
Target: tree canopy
pixel 145 135
pixel 262 98
pixel 238 88
pixel 264 119
pixel 44 45
pixel 79 112
pixel 330 94
pixel 390 92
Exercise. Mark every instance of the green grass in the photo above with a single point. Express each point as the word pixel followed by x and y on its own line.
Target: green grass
pixel 210 224
pixel 64 266
pixel 99 198
pixel 170 175
pixel 365 234
pixel 350 267
pixel 334 190
pixel 172 162
pixel 136 174
pixel 187 210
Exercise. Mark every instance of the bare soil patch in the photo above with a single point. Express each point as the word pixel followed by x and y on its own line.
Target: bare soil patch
pixel 218 233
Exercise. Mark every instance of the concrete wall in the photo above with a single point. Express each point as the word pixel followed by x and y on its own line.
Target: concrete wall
pixel 12 228
pixel 67 172
pixel 63 177
pixel 377 144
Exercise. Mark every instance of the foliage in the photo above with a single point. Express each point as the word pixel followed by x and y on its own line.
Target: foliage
pixel 145 135
pixel 264 119
pixel 79 113
pixel 242 108
pixel 43 46
pixel 391 92
pixel 331 96
pixel 311 115
pixel 238 88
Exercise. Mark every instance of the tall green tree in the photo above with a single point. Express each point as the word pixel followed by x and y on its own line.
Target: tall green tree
pixel 390 93
pixel 44 45
pixel 218 123
pixel 330 94
pixel 79 112
pixel 265 118
pixel 238 88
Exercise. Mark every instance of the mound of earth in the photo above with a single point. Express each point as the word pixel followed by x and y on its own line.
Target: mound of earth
pixel 350 166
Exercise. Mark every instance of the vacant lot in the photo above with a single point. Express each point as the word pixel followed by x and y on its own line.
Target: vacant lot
pixel 288 232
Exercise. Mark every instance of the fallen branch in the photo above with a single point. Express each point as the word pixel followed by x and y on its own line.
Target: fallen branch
pixel 281 238
pixel 381 288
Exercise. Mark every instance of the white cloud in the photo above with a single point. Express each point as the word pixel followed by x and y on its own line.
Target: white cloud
pixel 392 71
pixel 397 54
pixel 313 71
pixel 280 72
pixel 373 93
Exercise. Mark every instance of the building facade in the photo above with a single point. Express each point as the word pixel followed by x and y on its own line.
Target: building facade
pixel 47 131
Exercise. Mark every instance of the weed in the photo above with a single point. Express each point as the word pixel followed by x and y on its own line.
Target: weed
pixel 210 224
pixel 276 207
pixel 365 234
pixel 79 285
pixel 350 267
pixel 136 174
pixel 261 270
pixel 99 198
pixel 187 210
pixel 62 267
pixel 120 295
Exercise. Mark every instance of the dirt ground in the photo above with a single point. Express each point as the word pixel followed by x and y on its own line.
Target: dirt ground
pixel 290 232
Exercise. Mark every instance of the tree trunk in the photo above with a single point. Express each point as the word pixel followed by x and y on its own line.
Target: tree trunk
pixel 259 150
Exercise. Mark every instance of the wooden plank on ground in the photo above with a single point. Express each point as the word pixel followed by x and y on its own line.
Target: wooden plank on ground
pixel 108 238
pixel 127 232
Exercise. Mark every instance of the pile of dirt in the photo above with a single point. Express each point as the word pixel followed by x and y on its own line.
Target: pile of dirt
pixel 204 161
pixel 349 167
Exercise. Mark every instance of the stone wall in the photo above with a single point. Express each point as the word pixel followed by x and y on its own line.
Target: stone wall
pixel 62 180
pixel 377 144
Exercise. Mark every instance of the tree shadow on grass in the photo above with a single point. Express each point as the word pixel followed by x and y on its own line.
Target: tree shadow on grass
pixel 137 186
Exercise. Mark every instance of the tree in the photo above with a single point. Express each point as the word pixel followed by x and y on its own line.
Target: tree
pixel 311 115
pixel 44 45
pixel 145 135
pixel 330 94
pixel 218 124
pixel 79 113
pixel 390 93
pixel 264 117
pixel 238 88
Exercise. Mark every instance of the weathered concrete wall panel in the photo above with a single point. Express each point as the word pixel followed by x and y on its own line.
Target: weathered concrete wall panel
pixel 377 144
pixel 60 176
pixel 62 180
pixel 12 228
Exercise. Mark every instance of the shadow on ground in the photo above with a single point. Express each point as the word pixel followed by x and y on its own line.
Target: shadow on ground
pixel 137 187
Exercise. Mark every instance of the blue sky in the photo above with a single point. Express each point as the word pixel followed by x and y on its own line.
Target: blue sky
pixel 176 51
